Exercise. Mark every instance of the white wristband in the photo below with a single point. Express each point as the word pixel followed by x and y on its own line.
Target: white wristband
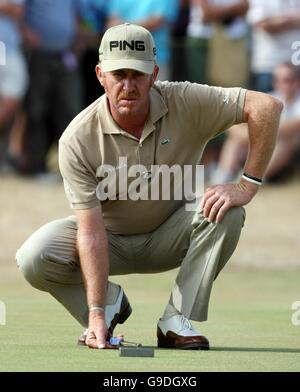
pixel 259 183
pixel 94 308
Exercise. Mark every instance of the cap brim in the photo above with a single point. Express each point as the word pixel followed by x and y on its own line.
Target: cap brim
pixel 138 65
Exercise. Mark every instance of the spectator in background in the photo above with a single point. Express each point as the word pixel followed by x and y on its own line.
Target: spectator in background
pixel 286 82
pixel 92 23
pixel 216 43
pixel 217 53
pixel 179 72
pixel 54 95
pixel 13 73
pixel 93 18
pixel 275 26
pixel 156 16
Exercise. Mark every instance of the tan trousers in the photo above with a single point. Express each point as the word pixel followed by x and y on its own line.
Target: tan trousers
pixel 49 259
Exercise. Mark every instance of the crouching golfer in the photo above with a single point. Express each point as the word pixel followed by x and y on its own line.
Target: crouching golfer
pixel 143 123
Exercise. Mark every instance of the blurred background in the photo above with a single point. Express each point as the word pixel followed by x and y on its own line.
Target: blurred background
pixel 48 53
pixel 47 76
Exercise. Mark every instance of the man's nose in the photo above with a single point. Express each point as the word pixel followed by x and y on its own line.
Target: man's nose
pixel 128 84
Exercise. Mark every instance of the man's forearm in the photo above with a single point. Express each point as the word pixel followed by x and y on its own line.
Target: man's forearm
pixel 93 254
pixel 153 23
pixel 263 121
pixel 280 24
pixel 212 13
pixel 12 10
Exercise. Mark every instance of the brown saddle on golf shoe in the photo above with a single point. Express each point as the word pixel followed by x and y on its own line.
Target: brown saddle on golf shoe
pixel 178 332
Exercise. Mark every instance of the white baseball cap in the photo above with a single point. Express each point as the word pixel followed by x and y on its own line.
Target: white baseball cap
pixel 127 46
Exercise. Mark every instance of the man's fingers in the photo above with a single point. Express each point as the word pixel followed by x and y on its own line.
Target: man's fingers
pixel 206 196
pixel 96 340
pixel 215 209
pixel 101 339
pixel 222 211
pixel 208 205
pixel 101 343
pixel 91 341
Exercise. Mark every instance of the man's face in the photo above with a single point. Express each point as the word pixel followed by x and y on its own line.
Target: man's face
pixel 127 90
pixel 286 81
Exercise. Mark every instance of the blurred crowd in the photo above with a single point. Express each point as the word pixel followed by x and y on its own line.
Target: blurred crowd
pixel 49 49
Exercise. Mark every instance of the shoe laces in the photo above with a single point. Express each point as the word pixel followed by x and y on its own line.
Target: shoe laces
pixel 186 323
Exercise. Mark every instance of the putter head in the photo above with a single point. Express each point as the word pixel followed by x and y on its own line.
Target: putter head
pixel 125 351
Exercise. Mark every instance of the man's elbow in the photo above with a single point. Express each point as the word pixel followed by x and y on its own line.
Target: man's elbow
pixel 271 104
pixel 263 107
pixel 277 105
pixel 271 111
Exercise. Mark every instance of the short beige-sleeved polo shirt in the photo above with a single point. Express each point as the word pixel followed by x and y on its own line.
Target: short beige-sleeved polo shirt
pixel 183 118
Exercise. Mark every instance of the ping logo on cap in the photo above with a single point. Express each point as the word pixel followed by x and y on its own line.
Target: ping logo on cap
pixel 132 45
pixel 127 46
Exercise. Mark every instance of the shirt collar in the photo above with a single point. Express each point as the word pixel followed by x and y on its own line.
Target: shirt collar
pixel 158 109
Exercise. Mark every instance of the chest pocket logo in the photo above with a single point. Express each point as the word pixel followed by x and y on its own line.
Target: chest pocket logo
pixel 164 141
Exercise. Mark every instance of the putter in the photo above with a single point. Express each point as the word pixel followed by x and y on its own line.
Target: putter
pixel 131 349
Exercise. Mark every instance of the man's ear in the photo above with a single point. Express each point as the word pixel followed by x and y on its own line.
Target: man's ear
pixel 155 73
pixel 99 74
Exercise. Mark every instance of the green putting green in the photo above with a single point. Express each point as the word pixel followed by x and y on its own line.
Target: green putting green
pixel 249 326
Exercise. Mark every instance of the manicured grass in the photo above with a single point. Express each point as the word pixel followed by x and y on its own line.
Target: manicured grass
pixel 249 326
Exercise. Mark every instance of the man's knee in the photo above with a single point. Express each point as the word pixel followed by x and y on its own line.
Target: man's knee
pixel 29 260
pixel 234 219
pixel 49 251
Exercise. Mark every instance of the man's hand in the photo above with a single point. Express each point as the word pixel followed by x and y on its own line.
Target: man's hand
pixel 280 23
pixel 219 198
pixel 97 336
